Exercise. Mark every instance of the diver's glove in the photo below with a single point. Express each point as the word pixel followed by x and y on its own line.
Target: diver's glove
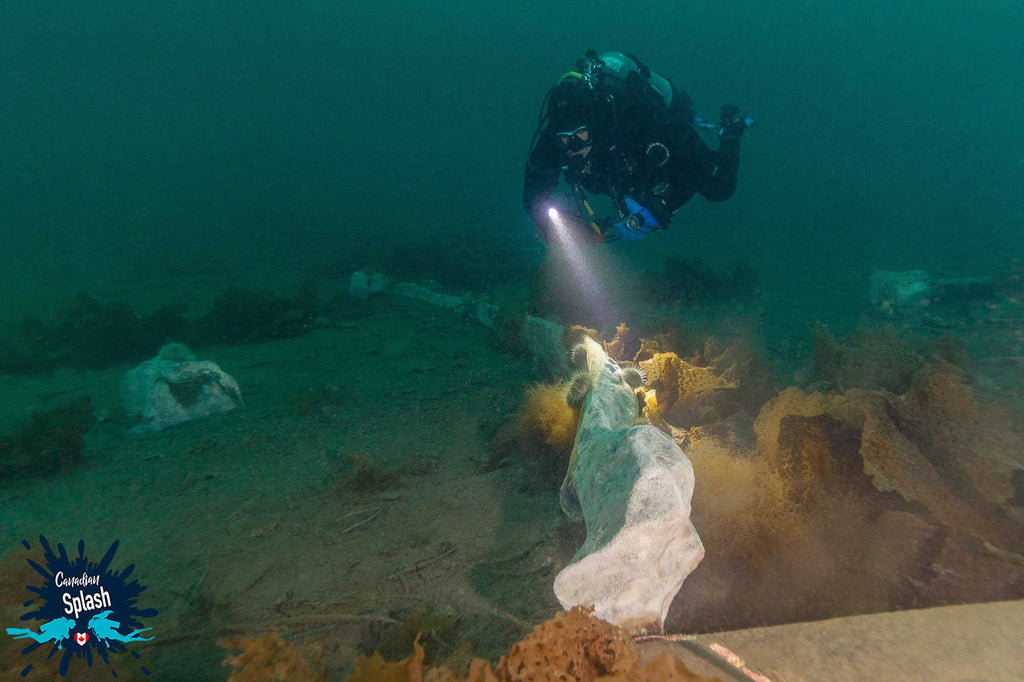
pixel 733 123
pixel 640 223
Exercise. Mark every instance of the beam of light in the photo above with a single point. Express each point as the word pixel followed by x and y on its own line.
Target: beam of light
pixel 569 241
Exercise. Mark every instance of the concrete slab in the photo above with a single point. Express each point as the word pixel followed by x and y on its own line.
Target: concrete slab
pixel 967 642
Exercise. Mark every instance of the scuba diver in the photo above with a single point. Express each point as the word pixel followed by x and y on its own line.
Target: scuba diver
pixel 616 128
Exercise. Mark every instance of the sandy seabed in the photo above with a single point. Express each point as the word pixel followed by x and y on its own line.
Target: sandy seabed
pixel 256 521
pixel 250 522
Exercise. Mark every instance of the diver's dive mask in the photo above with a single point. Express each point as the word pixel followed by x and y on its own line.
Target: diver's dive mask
pixel 575 140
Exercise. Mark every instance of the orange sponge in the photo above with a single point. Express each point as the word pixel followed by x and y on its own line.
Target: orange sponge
pixel 574 645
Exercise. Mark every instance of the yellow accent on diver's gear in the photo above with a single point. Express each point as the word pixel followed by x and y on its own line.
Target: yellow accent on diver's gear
pixel 572 74
pixel 592 218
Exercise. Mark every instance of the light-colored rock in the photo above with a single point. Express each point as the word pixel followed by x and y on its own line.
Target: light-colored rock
pixel 899 287
pixel 166 392
pixel 631 484
pixel 364 283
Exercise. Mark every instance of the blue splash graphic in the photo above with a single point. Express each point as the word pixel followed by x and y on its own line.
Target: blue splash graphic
pixel 83 606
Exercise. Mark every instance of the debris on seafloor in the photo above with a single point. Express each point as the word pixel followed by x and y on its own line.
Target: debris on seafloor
pixel 174 387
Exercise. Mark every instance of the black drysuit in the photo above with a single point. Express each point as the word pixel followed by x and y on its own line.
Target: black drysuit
pixel 642 148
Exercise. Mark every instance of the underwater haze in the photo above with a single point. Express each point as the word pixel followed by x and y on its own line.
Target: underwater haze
pixel 160 137
pixel 203 368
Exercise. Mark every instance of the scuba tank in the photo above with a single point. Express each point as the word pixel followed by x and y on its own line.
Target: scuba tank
pixel 625 73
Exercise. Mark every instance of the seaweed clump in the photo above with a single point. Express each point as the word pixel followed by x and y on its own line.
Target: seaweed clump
pixel 547 422
pixel 272 659
pixel 436 632
pixel 573 641
pixel 690 282
pixel 573 646
pixel 868 358
pixel 367 477
pixel 88 335
pixel 847 495
pixel 624 346
pixel 252 315
pixel 51 440
pixel 880 358
pixel 93 335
